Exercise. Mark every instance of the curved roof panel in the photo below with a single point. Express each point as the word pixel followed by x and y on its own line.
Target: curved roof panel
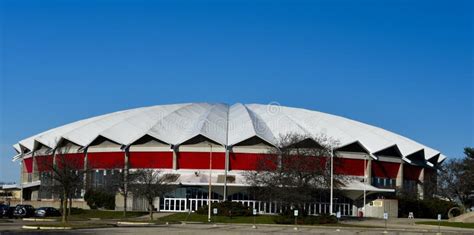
pixel 224 124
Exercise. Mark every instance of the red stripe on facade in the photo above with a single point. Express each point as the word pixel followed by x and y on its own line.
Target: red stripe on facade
pixel 251 161
pixel 70 160
pixel 385 169
pixel 303 163
pixel 44 163
pixel 411 172
pixel 151 160
pixel 106 160
pixel 200 160
pixel 348 166
pixel 28 163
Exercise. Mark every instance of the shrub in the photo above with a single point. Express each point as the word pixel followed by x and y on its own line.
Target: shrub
pixel 227 208
pixel 284 220
pixel 428 208
pixel 99 199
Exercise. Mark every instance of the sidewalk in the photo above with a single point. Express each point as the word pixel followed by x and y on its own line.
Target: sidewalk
pixel 156 215
pixel 402 223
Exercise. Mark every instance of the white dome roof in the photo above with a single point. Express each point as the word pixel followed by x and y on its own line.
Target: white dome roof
pixel 224 124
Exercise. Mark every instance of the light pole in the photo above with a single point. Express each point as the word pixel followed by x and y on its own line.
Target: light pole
pixel 331 188
pixel 210 186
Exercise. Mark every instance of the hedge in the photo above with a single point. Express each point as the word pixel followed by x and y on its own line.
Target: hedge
pixel 428 208
pixel 227 208
pixel 100 199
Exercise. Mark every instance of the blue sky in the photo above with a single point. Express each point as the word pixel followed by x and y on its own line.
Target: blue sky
pixel 406 66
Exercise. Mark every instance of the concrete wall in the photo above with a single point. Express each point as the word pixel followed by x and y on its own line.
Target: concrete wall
pixel 133 204
pixel 377 207
pixel 119 202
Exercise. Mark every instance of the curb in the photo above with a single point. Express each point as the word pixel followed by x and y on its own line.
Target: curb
pixel 123 223
pixel 45 228
pixel 39 220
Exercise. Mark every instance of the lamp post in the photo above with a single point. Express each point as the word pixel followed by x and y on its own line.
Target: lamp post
pixel 210 186
pixel 331 187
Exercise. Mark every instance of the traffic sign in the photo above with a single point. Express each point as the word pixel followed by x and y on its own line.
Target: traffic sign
pixel 215 211
pixel 385 215
pixel 296 212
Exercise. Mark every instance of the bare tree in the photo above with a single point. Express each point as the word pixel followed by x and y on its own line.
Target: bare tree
pixel 66 177
pixel 456 179
pixel 120 182
pixel 150 184
pixel 295 172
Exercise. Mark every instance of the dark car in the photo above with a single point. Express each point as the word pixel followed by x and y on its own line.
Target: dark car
pixel 6 211
pixel 47 212
pixel 24 211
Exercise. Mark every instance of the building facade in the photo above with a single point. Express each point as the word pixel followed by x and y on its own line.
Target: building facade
pixel 186 139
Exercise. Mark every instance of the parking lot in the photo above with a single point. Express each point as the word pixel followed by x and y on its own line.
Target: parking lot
pixel 12 226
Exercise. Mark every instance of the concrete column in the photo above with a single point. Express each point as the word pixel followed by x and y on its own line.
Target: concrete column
pixel 21 181
pixel 126 156
pixel 52 176
pixel 369 171
pixel 227 162
pixel 419 185
pixel 125 175
pixel 33 167
pixel 227 149
pixel 175 157
pixel 399 180
pixel 85 172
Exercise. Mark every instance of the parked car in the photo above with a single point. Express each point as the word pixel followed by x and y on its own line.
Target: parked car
pixel 24 211
pixel 6 211
pixel 47 212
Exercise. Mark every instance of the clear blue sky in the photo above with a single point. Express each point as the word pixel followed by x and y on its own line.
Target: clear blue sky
pixel 406 66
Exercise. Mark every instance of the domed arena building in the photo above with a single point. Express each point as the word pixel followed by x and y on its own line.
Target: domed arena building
pixel 183 138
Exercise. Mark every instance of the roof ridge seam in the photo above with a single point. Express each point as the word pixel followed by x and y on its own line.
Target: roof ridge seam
pixel 170 113
pixel 249 111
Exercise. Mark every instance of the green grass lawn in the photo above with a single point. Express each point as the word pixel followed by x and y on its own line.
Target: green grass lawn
pixel 194 217
pixel 448 224
pixel 78 214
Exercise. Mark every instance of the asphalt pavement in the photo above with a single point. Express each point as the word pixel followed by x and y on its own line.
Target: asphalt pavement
pixel 397 226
